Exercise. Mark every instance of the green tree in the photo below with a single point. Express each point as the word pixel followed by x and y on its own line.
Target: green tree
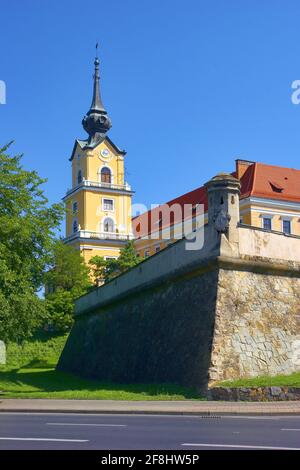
pixel 65 281
pixel 27 231
pixel 98 267
pixel 127 259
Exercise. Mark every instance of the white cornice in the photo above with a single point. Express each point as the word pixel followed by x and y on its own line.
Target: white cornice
pixel 99 248
pixel 267 210
pixel 98 190
pixel 270 203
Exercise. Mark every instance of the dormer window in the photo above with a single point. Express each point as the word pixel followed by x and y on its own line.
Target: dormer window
pixel 277 188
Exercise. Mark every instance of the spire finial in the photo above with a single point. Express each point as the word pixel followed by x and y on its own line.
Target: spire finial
pixel 96 122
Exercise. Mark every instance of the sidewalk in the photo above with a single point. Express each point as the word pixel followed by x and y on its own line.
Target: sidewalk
pixel 188 407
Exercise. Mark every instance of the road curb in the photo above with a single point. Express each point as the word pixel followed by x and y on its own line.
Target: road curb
pixel 149 407
pixel 154 413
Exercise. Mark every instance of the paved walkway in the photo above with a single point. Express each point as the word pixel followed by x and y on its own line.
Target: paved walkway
pixel 150 407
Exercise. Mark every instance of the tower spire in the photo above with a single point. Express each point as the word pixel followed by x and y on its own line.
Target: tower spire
pixel 96 122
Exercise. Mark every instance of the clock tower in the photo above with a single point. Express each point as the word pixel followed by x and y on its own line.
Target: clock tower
pixel 98 219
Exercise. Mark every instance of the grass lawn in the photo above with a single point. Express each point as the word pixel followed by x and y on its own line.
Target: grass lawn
pixel 292 380
pixel 30 373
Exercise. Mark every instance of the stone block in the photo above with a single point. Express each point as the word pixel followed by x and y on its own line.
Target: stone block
pixel 275 391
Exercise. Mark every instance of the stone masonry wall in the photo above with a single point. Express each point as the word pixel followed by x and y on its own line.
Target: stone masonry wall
pixel 257 327
pixel 161 335
pixel 213 324
pixel 193 317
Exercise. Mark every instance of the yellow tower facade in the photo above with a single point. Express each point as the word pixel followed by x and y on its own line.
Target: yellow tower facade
pixel 98 205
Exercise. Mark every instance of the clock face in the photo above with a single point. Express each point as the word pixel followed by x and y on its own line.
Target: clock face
pixel 105 153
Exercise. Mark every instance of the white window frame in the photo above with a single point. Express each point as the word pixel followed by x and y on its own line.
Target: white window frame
pixel 108 199
pixel 266 216
pixel 102 224
pixel 287 219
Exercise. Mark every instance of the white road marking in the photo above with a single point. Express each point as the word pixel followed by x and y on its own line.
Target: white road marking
pixel 252 417
pixel 236 446
pixel 41 439
pixel 286 429
pixel 88 424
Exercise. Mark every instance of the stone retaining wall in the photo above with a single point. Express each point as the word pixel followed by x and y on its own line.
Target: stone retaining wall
pixel 194 317
pixel 254 393
pixel 159 335
pixel 257 325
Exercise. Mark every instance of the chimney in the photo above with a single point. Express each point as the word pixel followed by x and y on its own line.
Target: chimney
pixel 241 167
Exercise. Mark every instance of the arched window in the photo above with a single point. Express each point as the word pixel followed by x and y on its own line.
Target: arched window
pixel 79 177
pixel 75 226
pixel 105 175
pixel 108 225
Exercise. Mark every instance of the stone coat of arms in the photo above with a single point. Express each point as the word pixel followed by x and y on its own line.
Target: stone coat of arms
pixel 221 221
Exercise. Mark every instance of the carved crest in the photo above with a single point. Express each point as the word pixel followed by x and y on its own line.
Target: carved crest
pixel 221 221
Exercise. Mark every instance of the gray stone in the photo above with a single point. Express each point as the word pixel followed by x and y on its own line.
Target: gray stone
pixel 275 391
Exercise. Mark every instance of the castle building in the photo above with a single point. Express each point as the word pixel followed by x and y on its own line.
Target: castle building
pixel 196 317
pixel 226 311
pixel 98 219
pixel 269 199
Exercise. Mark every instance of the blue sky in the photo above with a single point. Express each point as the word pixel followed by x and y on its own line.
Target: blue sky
pixel 189 86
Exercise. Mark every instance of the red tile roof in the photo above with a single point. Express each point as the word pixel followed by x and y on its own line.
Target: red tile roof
pixel 259 180
pixel 142 223
pixel 271 182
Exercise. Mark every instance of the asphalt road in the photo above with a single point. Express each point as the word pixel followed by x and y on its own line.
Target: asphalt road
pixel 132 432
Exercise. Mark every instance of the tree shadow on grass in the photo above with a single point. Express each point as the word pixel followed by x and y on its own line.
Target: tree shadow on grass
pixel 39 364
pixel 37 377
